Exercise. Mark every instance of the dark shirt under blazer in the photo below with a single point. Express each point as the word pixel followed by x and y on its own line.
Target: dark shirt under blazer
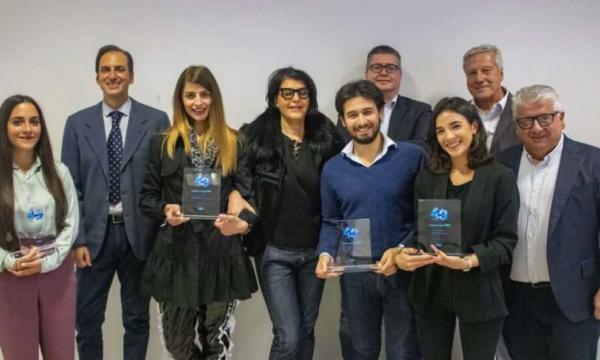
pixel 489 229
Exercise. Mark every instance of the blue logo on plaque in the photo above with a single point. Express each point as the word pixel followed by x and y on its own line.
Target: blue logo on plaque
pixel 35 214
pixel 350 233
pixel 202 181
pixel 439 214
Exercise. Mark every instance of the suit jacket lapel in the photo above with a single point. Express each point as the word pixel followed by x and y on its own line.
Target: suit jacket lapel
pixel 96 137
pixel 397 119
pixel 473 202
pixel 506 118
pixel 137 128
pixel 570 164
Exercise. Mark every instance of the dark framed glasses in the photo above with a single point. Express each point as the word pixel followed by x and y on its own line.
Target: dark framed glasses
pixel 542 119
pixel 288 93
pixel 389 68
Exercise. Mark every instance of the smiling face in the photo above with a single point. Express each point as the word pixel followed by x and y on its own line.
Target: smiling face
pixel 196 102
pixel 455 134
pixel 362 119
pixel 114 76
pixel 484 79
pixel 24 128
pixel 294 109
pixel 388 83
pixel 539 140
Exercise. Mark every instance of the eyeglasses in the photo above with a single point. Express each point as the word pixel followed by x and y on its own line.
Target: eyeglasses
pixel 543 119
pixel 288 93
pixel 389 68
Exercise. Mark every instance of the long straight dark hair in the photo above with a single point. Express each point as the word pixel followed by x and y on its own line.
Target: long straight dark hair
pixel 43 150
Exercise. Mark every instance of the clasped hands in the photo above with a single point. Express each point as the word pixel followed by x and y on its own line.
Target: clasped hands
pixel 28 264
pixel 410 259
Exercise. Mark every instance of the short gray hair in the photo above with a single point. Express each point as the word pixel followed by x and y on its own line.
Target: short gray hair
pixel 482 49
pixel 535 93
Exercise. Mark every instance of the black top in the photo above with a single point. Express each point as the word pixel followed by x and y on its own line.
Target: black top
pixel 300 200
pixel 489 229
pixel 458 191
pixel 443 294
pixel 191 264
pixel 263 168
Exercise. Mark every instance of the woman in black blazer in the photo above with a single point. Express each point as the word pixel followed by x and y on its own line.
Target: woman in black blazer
pixel 445 287
pixel 196 271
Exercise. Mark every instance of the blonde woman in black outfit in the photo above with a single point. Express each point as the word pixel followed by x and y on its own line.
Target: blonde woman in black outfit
pixel 195 272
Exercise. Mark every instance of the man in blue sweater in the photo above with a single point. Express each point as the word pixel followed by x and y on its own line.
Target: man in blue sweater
pixel 372 178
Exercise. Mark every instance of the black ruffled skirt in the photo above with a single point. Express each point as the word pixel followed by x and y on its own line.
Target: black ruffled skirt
pixel 193 264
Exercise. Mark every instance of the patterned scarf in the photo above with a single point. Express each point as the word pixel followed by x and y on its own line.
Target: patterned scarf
pixel 200 160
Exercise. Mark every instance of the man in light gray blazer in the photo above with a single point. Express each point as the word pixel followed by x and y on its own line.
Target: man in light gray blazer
pixel 106 148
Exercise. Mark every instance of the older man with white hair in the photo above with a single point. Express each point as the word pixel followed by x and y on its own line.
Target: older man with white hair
pixel 553 293
pixel 484 71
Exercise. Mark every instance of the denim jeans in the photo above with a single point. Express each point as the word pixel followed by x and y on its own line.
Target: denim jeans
pixel 369 300
pixel 292 293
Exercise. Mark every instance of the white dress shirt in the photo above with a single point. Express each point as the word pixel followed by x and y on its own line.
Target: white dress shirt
pixel 31 193
pixel 491 118
pixel 348 151
pixel 387 114
pixel 536 182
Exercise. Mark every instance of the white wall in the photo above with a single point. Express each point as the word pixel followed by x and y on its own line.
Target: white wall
pixel 48 49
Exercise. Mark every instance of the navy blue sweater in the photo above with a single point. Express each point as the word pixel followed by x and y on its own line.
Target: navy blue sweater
pixel 382 193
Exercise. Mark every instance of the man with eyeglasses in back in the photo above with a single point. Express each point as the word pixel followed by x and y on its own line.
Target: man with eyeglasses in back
pixel 553 294
pixel 484 73
pixel 404 119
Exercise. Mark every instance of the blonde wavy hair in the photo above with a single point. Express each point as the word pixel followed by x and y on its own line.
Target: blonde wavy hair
pixel 215 127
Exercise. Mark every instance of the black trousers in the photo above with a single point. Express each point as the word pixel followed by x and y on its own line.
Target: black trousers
pixel 435 330
pixel 200 333
pixel 536 328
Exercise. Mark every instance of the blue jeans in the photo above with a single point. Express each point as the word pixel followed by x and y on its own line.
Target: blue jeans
pixel 292 293
pixel 369 300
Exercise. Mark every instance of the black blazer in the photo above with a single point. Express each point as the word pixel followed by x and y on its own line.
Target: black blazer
pixel 489 229
pixel 572 250
pixel 505 135
pixel 409 121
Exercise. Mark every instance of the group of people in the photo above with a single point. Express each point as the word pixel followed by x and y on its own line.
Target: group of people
pixel 530 214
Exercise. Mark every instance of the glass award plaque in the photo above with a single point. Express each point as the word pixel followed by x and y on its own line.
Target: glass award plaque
pixel 354 249
pixel 201 194
pixel 439 225
pixel 45 244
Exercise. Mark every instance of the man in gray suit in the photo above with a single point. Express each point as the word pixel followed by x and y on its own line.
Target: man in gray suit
pixel 484 72
pixel 105 148
pixel 404 119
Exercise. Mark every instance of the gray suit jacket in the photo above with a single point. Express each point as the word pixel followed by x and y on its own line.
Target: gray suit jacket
pixel 84 153
pixel 505 135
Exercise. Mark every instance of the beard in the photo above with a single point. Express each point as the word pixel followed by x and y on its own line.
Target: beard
pixel 366 139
